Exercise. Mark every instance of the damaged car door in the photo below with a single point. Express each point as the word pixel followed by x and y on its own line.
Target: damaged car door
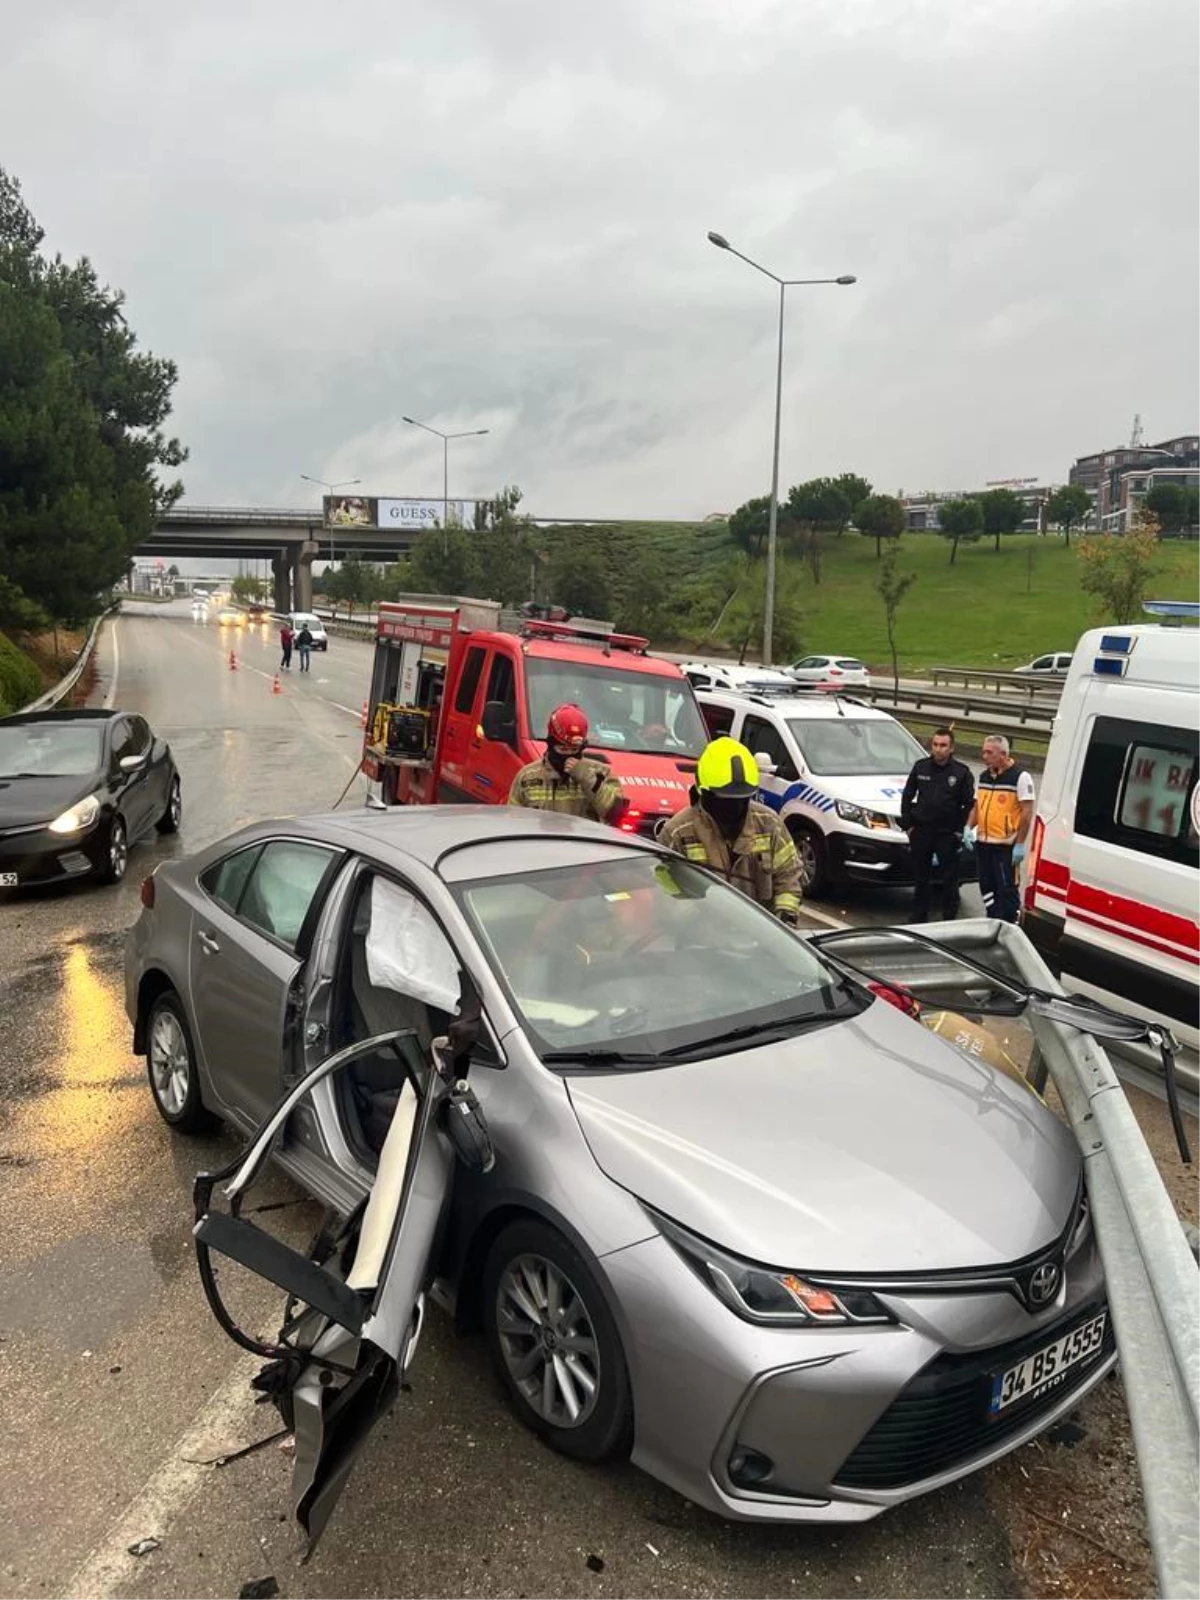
pixel 355 1304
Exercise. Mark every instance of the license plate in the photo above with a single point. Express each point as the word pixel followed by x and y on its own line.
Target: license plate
pixel 1047 1367
pixel 8 880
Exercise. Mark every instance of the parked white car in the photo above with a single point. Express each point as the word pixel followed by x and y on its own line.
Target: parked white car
pixel 1056 661
pixel 835 771
pixel 835 672
pixel 729 675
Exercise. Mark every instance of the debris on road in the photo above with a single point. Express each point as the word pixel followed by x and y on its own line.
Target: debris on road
pixel 594 1564
pixel 143 1547
pixel 259 1589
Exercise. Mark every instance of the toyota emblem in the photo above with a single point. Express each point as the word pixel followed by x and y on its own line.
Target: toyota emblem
pixel 1043 1283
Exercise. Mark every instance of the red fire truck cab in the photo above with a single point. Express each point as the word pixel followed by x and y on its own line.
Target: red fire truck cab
pixel 459 705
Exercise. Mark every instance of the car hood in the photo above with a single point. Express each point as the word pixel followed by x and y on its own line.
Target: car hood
pixel 656 785
pixel 24 801
pixel 867 1146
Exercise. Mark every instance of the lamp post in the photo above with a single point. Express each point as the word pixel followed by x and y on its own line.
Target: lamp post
pixel 772 522
pixel 469 433
pixel 331 488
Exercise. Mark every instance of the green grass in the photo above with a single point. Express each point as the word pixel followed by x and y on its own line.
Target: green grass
pixel 20 680
pixel 991 609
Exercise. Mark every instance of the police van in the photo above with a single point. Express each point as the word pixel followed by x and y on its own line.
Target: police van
pixel 1113 873
pixel 834 768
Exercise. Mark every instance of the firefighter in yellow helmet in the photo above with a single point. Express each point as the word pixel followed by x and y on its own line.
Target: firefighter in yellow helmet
pixel 727 830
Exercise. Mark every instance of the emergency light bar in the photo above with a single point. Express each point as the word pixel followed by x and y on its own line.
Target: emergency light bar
pixel 583 630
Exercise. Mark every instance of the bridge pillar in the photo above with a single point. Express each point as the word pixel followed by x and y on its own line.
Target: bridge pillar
pixel 281 567
pixel 302 584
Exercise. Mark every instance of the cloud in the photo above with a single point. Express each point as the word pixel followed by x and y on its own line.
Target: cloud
pixel 495 216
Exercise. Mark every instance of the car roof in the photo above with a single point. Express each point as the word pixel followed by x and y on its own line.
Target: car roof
pixel 426 834
pixel 804 707
pixel 82 714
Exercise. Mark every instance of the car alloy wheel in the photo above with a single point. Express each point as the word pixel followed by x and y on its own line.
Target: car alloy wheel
pixel 555 1344
pixel 170 1063
pixel 173 811
pixel 548 1342
pixel 810 847
pixel 116 854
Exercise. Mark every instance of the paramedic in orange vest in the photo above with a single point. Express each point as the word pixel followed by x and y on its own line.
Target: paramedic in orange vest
pixel 1001 817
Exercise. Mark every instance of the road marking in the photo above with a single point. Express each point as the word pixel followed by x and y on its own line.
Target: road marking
pixel 219 1425
pixel 111 696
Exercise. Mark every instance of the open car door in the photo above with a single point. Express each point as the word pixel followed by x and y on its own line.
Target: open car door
pixel 355 1305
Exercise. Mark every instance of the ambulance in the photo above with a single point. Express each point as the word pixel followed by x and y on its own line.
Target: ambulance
pixel 1113 876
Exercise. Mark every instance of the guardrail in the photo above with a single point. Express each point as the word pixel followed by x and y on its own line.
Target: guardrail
pixel 1151 1274
pixel 990 705
pixel 1030 683
pixel 64 685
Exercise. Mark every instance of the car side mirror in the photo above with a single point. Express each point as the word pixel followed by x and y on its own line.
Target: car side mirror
pixel 131 763
pixel 499 723
pixel 766 766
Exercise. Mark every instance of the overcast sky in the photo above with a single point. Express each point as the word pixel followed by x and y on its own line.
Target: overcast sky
pixel 492 213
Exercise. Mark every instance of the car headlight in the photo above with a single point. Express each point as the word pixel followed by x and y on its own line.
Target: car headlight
pixel 865 819
pixel 766 1295
pixel 78 817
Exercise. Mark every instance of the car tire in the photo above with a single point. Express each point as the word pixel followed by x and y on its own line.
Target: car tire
pixel 116 851
pixel 171 1067
pixel 173 811
pixel 589 1370
pixel 814 860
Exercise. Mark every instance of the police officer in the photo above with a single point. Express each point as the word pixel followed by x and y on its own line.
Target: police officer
pixel 565 779
pixel 727 830
pixel 934 808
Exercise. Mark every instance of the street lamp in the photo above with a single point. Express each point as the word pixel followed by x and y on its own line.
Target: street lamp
pixel 469 433
pixel 784 284
pixel 331 488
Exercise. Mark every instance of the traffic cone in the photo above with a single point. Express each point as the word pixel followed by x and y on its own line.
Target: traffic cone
pixel 277 687
pixel 233 662
pixel 363 719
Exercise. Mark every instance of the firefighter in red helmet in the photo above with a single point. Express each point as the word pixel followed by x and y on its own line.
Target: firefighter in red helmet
pixel 565 779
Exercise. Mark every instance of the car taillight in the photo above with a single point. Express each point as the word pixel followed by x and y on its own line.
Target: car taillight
pixel 148 892
pixel 900 998
pixel 835 672
pixel 631 820
pixel 1033 861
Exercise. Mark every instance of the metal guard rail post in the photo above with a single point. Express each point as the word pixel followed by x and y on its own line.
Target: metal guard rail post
pixel 1049 684
pixel 1152 1277
pixel 985 703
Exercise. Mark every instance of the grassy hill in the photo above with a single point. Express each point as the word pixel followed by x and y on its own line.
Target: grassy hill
pixel 992 608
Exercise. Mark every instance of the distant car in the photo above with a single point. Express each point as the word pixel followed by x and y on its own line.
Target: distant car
pixel 229 618
pixel 835 672
pixel 745 1220
pixel 77 790
pixel 309 620
pixel 729 675
pixel 256 611
pixel 1057 661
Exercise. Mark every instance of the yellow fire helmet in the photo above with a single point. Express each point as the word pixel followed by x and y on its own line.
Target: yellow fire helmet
pixel 727 768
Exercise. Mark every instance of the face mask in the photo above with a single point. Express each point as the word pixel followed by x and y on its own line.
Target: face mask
pixel 728 814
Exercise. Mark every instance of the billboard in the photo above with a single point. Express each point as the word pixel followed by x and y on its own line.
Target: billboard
pixel 365 511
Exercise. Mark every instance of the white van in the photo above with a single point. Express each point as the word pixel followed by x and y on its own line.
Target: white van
pixel 1113 875
pixel 309 620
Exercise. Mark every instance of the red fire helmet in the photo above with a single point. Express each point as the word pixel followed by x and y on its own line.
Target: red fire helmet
pixel 568 725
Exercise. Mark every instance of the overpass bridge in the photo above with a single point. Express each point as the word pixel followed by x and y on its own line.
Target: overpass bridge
pixel 291 540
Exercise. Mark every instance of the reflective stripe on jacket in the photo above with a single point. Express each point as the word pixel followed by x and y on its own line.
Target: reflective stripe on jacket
pixel 762 861
pixel 591 790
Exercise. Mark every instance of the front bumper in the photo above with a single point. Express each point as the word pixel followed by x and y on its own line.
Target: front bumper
pixel 862 855
pixel 36 856
pixel 848 1421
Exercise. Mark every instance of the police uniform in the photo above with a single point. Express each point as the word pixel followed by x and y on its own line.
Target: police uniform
pixel 762 861
pixel 588 790
pixel 934 809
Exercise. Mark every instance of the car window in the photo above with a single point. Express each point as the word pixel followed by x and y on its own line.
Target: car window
pixel 627 709
pixel 464 699
pixel 699 680
pixel 717 719
pixel 502 683
pixel 1136 787
pixel 226 880
pixel 283 885
pixel 1042 664
pixel 845 747
pixel 810 661
pixel 49 749
pixel 850 664
pixel 761 736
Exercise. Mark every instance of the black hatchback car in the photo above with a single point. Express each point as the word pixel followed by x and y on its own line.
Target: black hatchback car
pixel 77 789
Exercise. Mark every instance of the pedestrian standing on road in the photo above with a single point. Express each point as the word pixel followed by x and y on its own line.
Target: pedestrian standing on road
pixel 286 639
pixel 304 644
pixel 934 808
pixel 1001 816
pixel 734 835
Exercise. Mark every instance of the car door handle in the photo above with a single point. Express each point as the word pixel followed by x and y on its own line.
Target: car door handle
pixel 209 943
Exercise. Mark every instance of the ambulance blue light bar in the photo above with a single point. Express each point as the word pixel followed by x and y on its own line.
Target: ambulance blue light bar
pixel 1116 644
pixel 1110 666
pixel 1189 609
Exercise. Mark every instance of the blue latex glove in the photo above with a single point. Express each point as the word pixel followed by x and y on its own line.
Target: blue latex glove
pixel 1018 854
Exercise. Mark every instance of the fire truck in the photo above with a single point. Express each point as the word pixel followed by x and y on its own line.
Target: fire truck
pixel 459 704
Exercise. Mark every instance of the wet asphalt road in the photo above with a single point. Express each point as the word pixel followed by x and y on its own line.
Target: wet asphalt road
pixel 116 1384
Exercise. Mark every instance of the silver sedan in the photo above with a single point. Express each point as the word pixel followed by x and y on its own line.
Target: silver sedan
pixel 712 1202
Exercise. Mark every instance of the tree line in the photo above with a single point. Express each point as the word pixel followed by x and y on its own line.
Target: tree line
pixel 82 441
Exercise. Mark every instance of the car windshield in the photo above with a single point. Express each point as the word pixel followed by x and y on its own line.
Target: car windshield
pixel 855 747
pixel 639 711
pixel 49 750
pixel 645 959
